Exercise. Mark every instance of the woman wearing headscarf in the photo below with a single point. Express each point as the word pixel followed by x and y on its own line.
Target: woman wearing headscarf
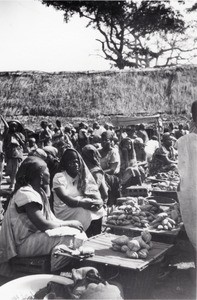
pixel 52 161
pixel 29 227
pixel 76 194
pixel 129 172
pixel 91 157
pixel 164 157
pixel 110 157
pixel 110 163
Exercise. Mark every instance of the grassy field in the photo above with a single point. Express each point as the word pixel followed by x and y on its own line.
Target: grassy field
pixel 92 95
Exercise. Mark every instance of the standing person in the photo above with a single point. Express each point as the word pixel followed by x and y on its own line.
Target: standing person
pixel 76 194
pixel 187 167
pixel 13 144
pixel 29 227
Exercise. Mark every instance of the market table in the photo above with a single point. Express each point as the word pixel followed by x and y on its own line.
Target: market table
pixel 137 276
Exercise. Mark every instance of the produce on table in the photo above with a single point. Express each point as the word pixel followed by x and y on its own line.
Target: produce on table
pixel 171 182
pixel 170 175
pixel 165 186
pixel 136 247
pixel 147 215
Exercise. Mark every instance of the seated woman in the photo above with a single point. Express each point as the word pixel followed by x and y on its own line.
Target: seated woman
pixel 110 163
pixel 165 157
pixel 110 157
pixel 29 226
pixel 91 157
pixel 141 157
pixel 76 194
pixel 129 172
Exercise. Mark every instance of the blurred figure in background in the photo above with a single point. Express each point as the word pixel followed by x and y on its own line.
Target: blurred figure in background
pixel 129 171
pixel 151 146
pixel 141 157
pixel 31 144
pixel 164 157
pixel 180 132
pixel 97 129
pixel 141 133
pixel 110 163
pixel 83 136
pixel 13 144
pixel 45 137
pixel 91 157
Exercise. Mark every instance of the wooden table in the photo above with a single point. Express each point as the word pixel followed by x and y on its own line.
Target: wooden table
pixel 137 276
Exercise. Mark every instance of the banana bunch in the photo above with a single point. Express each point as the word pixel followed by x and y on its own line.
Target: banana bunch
pixel 137 247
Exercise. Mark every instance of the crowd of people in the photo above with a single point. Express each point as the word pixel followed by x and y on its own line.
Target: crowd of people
pixel 66 177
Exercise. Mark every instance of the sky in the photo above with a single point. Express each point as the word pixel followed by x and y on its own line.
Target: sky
pixel 35 37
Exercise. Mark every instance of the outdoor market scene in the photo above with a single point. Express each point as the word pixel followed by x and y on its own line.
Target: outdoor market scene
pixel 98 150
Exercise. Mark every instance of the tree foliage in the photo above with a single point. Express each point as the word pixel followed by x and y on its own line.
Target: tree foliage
pixel 131 30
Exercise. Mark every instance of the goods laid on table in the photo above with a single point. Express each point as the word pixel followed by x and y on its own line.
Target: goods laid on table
pixel 136 247
pixel 82 252
pixel 170 175
pixel 165 181
pixel 145 213
pixel 165 186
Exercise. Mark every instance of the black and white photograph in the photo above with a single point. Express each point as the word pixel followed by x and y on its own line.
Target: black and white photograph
pixel 98 149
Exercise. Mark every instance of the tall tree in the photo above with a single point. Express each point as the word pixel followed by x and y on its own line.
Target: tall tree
pixel 131 30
